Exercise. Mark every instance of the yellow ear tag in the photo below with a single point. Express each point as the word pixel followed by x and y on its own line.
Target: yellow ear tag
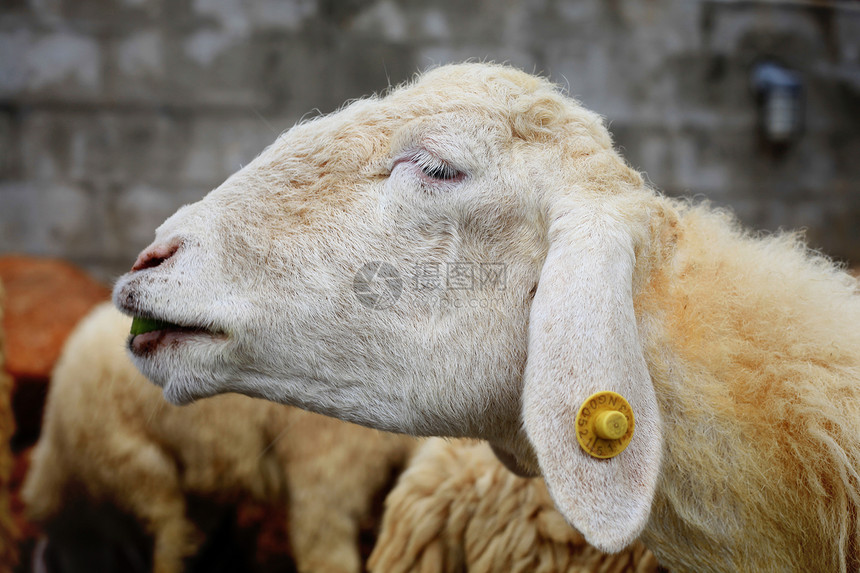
pixel 604 425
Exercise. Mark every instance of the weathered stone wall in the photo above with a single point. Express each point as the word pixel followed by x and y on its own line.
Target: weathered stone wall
pixel 114 113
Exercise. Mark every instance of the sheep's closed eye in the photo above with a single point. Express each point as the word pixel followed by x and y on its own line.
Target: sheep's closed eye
pixel 431 168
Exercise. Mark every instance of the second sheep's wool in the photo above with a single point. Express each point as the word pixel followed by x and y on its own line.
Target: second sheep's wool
pixel 456 508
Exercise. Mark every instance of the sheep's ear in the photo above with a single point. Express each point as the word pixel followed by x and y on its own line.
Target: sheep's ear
pixel 583 339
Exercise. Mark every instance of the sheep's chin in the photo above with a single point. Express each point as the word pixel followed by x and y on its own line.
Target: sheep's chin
pixel 181 390
pixel 180 394
pixel 179 362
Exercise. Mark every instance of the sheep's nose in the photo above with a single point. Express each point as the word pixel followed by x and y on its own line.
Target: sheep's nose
pixel 154 255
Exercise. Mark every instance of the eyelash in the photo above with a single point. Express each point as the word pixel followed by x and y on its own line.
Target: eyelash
pixel 435 168
pixel 443 172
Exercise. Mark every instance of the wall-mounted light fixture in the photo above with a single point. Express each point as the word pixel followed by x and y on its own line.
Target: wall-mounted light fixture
pixel 779 93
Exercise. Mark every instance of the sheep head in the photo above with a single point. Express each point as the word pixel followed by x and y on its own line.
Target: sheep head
pixel 457 258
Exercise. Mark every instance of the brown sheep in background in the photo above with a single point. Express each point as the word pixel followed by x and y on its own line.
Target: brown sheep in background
pixel 109 436
pixel 456 508
pixel 8 531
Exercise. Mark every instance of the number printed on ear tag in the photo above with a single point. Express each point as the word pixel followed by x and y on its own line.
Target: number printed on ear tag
pixel 604 425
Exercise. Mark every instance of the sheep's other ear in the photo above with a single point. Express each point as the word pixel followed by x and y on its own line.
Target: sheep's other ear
pixel 583 339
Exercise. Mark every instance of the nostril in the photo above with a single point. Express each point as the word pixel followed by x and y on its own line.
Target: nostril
pixel 148 263
pixel 155 255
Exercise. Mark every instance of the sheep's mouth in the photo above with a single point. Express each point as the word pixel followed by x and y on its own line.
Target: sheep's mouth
pixel 148 334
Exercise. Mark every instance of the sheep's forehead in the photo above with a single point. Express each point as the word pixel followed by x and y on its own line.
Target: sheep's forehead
pixel 494 88
pixel 326 170
pixel 328 154
pixel 485 95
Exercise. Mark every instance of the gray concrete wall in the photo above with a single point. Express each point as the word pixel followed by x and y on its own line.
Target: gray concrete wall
pixel 114 113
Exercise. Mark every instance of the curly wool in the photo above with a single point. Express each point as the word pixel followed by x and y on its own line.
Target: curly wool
pixel 456 508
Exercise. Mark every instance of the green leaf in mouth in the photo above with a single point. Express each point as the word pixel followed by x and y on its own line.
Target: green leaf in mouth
pixel 143 325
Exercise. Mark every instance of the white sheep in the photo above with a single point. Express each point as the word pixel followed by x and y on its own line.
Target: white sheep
pixel 109 437
pixel 352 269
pixel 456 508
